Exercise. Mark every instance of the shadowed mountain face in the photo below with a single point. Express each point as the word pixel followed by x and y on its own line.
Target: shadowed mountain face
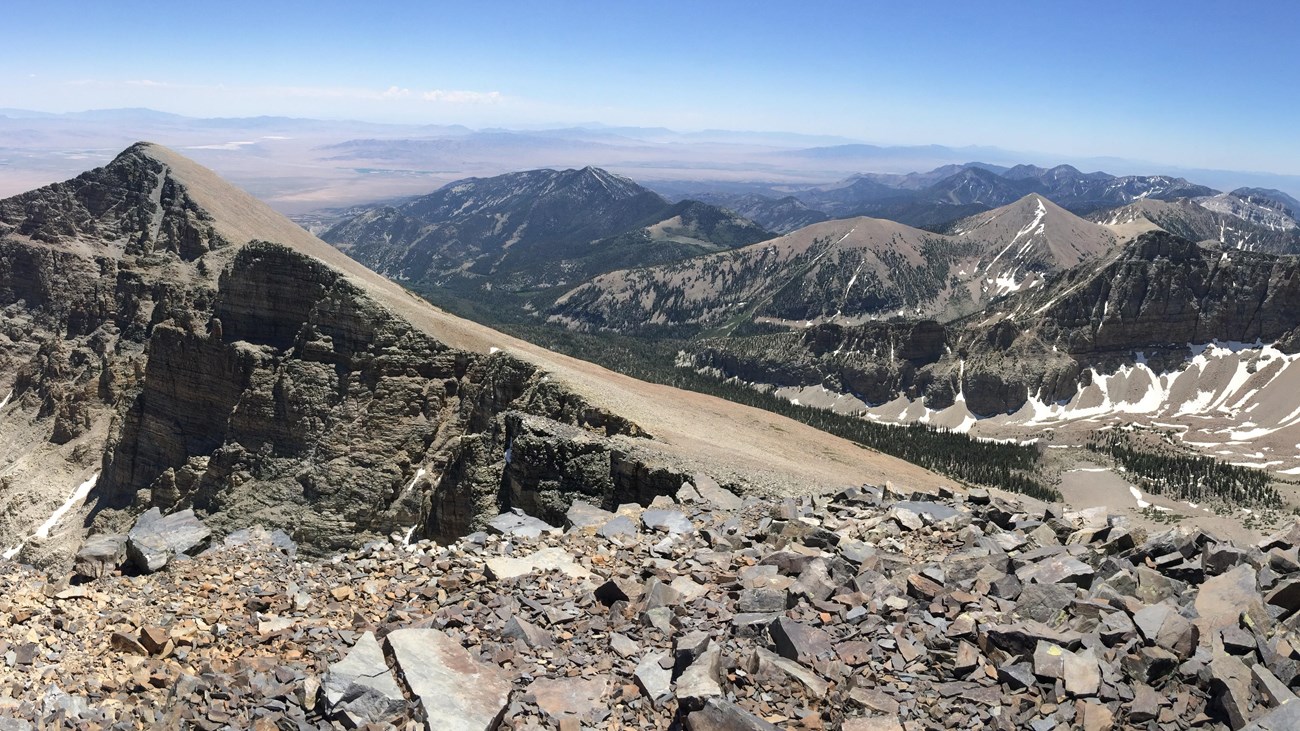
pixel 534 230
pixel 172 342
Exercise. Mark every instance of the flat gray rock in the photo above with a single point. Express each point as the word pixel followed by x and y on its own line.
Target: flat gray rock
pixel 156 539
pixel 667 521
pixel 456 692
pixel 517 523
pixel 936 511
pixel 619 526
pixel 546 559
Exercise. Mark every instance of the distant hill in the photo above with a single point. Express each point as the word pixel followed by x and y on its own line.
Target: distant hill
pixel 846 271
pixel 535 230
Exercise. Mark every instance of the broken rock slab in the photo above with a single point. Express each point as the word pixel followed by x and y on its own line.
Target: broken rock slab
pixel 722 715
pixel 546 559
pixel 703 488
pixel 360 687
pixel 584 517
pixel 570 698
pixel 156 539
pixel 701 681
pixel 455 691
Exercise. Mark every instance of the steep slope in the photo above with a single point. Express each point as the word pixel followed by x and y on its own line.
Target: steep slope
pixel 1027 241
pixel 845 271
pixel 171 342
pixel 534 229
pixel 1226 219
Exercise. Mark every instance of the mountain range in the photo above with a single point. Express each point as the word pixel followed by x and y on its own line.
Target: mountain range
pixel 936 198
pixel 963 325
pixel 170 342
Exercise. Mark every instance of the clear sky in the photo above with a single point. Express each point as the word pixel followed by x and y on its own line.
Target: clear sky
pixel 1194 84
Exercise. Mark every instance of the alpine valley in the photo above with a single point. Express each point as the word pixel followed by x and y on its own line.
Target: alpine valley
pixel 1040 306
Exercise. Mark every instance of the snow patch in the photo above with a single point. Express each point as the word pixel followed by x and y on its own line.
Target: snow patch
pixel 78 496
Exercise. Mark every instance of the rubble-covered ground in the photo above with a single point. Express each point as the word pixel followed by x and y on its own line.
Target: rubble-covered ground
pixel 867 610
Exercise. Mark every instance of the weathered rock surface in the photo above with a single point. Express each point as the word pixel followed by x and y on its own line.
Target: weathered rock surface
pixel 456 692
pixel 156 539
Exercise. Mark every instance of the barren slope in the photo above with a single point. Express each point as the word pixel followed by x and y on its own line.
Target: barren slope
pixel 716 433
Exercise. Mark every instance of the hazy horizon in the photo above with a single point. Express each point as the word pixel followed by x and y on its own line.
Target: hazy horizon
pixel 1106 81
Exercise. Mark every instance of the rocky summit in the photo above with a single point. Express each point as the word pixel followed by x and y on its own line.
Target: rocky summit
pixel 866 609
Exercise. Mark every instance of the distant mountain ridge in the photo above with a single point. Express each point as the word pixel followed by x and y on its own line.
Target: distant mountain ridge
pixel 845 271
pixel 941 196
pixel 535 229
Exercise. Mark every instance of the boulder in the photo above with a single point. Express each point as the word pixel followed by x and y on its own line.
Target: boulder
pixel 156 539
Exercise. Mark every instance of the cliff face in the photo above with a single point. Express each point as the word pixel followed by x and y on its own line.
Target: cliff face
pixel 306 406
pixel 250 382
pixel 1163 290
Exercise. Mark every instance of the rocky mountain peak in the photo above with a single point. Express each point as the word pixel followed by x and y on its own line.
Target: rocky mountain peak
pixel 136 203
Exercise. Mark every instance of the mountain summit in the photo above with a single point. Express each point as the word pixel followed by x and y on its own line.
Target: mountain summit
pixel 534 229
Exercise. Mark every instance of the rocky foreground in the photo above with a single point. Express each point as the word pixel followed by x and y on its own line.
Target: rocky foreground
pixel 865 610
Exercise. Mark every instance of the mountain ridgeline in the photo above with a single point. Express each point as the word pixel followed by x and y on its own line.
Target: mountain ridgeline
pixel 936 198
pixel 534 230
pixel 843 271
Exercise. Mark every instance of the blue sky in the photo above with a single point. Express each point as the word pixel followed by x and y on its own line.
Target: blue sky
pixel 1193 84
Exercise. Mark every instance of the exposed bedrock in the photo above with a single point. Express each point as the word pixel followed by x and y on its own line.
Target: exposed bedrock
pixel 306 406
